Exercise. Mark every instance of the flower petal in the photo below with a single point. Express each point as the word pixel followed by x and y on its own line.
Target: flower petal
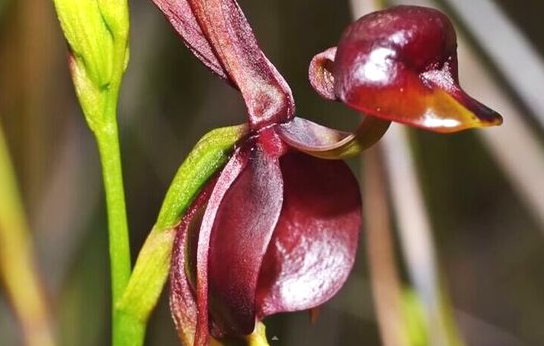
pixel 182 298
pixel 326 143
pixel 228 176
pixel 243 227
pixel 181 17
pixel 314 244
pixel 267 95
pixel 400 64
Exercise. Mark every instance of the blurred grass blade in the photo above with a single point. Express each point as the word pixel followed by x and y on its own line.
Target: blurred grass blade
pixel 510 51
pixel 384 277
pixel 415 234
pixel 413 224
pixel 17 267
pixel 515 146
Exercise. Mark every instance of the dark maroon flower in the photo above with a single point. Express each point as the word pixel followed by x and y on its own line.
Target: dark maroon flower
pixel 400 65
pixel 278 229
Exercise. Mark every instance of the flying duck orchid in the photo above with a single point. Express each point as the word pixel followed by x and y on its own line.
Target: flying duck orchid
pixel 277 228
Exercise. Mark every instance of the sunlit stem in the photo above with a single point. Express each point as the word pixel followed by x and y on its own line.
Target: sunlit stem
pixel 17 267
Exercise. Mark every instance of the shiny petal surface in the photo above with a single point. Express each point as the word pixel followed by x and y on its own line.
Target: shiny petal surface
pixel 182 297
pixel 243 227
pixel 228 176
pixel 314 244
pixel 181 17
pixel 400 64
pixel 267 95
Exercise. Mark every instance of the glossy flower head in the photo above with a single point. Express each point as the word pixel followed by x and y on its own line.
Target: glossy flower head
pixel 400 64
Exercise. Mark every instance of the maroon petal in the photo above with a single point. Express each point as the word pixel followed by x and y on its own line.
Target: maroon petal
pixel 228 176
pixel 182 299
pixel 181 17
pixel 267 95
pixel 314 244
pixel 243 227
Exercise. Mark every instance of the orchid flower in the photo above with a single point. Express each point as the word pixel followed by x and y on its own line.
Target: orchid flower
pixel 277 229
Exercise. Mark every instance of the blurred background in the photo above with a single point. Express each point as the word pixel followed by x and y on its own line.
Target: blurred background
pixel 482 192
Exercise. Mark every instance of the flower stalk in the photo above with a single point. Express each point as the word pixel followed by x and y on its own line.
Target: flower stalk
pixel 97 34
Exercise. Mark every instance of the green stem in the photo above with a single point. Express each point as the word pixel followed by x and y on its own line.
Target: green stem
pixel 119 249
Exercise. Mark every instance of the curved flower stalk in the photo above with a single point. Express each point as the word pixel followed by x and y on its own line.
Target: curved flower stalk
pixel 18 273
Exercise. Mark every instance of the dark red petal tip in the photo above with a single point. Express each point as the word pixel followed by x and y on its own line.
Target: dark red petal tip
pixel 314 244
pixel 181 17
pixel 218 33
pixel 400 64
